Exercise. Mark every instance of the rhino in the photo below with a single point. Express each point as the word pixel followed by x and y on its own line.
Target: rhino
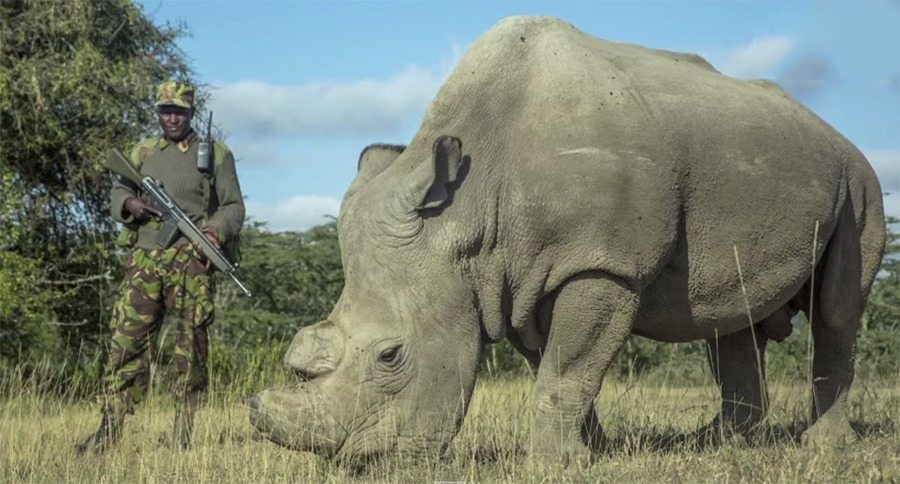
pixel 564 192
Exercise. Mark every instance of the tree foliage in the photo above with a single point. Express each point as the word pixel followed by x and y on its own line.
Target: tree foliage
pixel 76 79
pixel 24 313
pixel 296 278
pixel 883 311
pixel 879 343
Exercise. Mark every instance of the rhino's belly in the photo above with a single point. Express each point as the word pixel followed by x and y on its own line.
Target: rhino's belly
pixel 673 309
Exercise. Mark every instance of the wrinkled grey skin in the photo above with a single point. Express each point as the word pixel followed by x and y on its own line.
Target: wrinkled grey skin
pixel 565 192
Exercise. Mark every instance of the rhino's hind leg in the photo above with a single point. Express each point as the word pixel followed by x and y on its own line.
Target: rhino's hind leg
pixel 592 316
pixel 835 323
pixel 737 361
pixel 832 376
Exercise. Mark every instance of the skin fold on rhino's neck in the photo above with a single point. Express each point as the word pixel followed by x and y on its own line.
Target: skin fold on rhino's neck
pixel 470 234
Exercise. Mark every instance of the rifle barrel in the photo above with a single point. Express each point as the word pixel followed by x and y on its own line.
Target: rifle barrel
pixel 118 164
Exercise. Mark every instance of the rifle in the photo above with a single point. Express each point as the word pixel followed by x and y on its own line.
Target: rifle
pixel 174 219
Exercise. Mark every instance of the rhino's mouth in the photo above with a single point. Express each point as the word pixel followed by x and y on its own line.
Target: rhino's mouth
pixel 279 416
pixel 294 418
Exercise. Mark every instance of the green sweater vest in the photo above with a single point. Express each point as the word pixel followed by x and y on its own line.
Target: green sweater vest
pixel 177 172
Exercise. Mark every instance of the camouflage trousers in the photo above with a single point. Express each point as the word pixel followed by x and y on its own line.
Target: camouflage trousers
pixel 157 281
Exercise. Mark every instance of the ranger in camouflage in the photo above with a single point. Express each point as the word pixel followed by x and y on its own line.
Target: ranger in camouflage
pixel 175 278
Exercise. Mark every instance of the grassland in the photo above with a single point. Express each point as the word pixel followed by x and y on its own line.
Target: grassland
pixel 650 427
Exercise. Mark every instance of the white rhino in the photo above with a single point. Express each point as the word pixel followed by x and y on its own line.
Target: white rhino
pixel 564 192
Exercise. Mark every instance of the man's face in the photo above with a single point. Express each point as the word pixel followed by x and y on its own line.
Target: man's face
pixel 175 122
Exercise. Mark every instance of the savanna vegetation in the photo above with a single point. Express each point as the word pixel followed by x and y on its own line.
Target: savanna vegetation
pixel 76 79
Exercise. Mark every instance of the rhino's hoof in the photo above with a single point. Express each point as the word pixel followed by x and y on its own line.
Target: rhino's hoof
pixel 829 434
pixel 720 432
pixel 577 455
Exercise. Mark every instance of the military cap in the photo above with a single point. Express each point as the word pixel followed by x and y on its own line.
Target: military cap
pixel 175 93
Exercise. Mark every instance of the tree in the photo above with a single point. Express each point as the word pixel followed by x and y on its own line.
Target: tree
pixel 76 79
pixel 24 313
pixel 879 343
pixel 884 303
pixel 296 278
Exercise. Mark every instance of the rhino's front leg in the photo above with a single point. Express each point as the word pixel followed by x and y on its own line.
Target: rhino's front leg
pixel 591 318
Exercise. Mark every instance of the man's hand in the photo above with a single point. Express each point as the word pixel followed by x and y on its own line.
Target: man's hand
pixel 140 209
pixel 211 237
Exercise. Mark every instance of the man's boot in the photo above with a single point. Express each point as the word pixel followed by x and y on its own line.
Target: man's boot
pixel 107 433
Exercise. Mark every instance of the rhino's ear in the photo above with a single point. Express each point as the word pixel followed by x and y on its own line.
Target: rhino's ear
pixel 432 181
pixel 375 158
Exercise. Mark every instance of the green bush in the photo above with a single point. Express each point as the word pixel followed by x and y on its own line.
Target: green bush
pixel 502 360
pixel 26 317
pixel 878 352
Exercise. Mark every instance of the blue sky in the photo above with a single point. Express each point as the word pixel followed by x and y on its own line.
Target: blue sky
pixel 301 87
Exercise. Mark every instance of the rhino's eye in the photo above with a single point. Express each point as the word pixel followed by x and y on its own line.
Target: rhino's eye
pixel 390 356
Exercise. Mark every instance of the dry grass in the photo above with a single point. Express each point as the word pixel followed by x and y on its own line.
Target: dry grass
pixel 650 427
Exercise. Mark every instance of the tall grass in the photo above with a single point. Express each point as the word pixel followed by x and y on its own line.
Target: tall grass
pixel 650 423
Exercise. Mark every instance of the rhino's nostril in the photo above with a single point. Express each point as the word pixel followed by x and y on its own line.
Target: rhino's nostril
pixel 304 375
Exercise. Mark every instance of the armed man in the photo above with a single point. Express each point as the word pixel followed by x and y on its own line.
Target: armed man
pixel 164 270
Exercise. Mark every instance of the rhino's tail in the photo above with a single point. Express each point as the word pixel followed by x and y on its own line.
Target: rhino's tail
pixel 853 256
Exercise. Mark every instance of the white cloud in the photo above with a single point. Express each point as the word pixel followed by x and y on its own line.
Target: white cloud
pixel 757 58
pixel 260 151
pixel 892 82
pixel 887 165
pixel 300 212
pixel 449 61
pixel 892 204
pixel 806 76
pixel 361 107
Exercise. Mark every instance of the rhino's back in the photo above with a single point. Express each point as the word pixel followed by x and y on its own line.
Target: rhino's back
pixel 645 163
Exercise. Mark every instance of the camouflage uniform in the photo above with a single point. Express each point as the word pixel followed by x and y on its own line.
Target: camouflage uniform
pixel 159 279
